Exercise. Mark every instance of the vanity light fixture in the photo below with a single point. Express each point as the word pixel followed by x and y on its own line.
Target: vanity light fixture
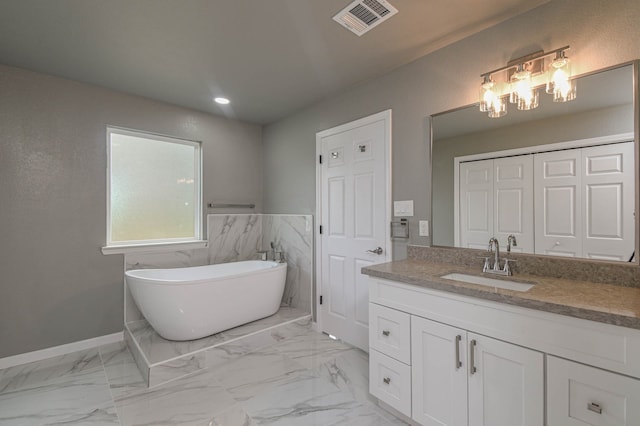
pixel 222 101
pixel 523 77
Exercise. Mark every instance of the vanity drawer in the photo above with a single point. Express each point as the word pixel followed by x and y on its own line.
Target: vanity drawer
pixel 390 381
pixel 390 332
pixel 579 395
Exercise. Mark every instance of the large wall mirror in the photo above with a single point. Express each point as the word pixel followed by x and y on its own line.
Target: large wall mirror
pixel 561 178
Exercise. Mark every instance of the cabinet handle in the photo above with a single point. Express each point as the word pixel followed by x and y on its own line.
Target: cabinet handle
pixel 458 362
pixel 472 356
pixel 596 408
pixel 387 380
pixel 386 333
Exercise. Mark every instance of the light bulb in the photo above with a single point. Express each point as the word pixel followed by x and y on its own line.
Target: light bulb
pixel 522 92
pixel 559 83
pixel 487 94
pixel 498 107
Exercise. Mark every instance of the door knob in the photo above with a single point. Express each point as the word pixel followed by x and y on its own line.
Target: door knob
pixel 377 250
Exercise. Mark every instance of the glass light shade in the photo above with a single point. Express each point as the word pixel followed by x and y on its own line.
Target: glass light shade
pixel 487 94
pixel 498 107
pixel 528 100
pixel 520 85
pixel 522 92
pixel 559 83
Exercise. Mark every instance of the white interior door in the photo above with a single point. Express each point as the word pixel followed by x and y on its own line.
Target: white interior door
pixel 608 202
pixel 513 197
pixel 476 204
pixel 558 201
pixel 354 183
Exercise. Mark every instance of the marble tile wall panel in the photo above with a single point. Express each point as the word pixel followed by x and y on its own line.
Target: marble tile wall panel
pixel 234 237
pixel 293 235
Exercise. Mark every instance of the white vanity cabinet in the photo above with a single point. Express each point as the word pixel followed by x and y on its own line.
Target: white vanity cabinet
pixel 482 363
pixel 461 378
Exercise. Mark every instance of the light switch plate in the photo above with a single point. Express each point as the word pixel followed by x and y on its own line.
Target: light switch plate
pixel 403 208
pixel 424 228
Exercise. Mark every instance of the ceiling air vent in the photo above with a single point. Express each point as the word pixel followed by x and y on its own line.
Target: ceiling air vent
pixel 362 15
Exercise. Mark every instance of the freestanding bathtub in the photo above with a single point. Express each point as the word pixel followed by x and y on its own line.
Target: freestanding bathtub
pixel 194 302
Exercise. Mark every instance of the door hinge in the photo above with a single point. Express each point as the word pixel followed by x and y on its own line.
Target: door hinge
pixel 321 300
pixel 321 159
pixel 320 229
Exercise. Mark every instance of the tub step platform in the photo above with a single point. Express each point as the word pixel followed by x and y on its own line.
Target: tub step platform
pixel 161 361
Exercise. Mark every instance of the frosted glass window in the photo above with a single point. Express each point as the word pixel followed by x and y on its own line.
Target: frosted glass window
pixel 154 189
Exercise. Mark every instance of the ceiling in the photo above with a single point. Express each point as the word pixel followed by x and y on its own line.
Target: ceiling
pixel 270 57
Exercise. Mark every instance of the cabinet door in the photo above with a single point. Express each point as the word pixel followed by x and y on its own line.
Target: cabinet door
pixel 506 384
pixel 438 377
pixel 476 204
pixel 579 395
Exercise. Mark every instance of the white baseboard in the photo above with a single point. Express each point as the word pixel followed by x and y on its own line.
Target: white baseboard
pixel 25 358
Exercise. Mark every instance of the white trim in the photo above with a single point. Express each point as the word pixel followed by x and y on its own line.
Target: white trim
pixel 385 116
pixel 159 247
pixel 580 143
pixel 12 361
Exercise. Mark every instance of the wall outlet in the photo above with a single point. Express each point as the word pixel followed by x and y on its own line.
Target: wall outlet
pixel 403 208
pixel 424 228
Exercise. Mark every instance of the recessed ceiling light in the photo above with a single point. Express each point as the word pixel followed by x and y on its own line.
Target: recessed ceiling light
pixel 222 101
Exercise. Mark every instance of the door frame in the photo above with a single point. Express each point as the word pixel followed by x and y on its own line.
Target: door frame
pixel 380 116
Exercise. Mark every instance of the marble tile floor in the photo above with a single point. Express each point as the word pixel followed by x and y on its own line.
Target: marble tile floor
pixel 307 379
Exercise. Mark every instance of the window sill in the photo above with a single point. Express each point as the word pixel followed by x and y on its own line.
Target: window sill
pixel 159 247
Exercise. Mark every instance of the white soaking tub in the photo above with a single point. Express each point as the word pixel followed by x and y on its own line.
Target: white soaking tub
pixel 194 302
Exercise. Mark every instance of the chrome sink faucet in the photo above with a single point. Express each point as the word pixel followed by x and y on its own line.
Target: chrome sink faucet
pixel 496 259
pixel 495 269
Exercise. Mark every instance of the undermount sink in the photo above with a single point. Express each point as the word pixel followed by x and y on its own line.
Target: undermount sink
pixel 489 282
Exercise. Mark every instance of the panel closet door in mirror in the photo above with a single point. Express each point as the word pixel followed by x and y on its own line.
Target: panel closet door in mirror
pixel 513 197
pixel 496 200
pixel 476 204
pixel 607 182
pixel 558 199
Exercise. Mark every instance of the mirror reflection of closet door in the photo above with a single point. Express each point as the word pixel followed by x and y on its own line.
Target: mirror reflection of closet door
pixel 584 201
pixel 496 200
pixel 558 199
pixel 476 204
pixel 607 182
pixel 513 192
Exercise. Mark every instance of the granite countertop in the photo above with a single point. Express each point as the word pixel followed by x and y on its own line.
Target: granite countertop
pixel 606 303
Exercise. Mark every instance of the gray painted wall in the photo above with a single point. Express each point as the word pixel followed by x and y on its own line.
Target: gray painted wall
pixel 600 33
pixel 56 286
pixel 591 124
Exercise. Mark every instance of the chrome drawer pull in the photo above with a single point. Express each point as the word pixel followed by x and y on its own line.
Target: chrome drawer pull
pixel 458 362
pixel 387 380
pixel 472 357
pixel 596 408
pixel 386 333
